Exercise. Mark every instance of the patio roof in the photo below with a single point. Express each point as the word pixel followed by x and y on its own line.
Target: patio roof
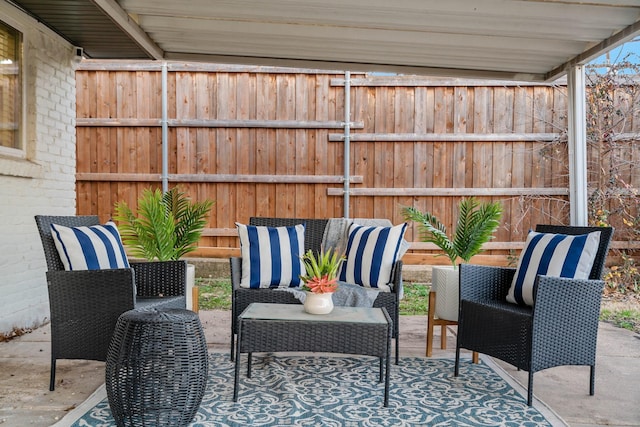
pixel 527 40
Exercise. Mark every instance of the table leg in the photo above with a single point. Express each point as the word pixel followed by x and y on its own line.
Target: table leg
pixel 386 380
pixel 249 365
pixel 381 370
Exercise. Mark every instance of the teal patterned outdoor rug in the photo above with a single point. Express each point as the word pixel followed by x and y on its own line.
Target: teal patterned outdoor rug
pixel 334 391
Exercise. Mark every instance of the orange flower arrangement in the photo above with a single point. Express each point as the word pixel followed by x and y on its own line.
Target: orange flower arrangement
pixel 322 271
pixel 321 285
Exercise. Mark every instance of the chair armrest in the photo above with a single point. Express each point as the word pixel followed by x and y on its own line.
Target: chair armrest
pixel 160 278
pixel 560 301
pixel 396 280
pixel 565 318
pixel 85 306
pixel 73 293
pixel 235 266
pixel 481 282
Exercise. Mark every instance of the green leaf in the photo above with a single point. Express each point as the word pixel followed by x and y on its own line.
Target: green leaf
pixel 475 226
pixel 431 231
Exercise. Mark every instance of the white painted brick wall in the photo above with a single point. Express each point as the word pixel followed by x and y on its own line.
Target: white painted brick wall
pixel 42 184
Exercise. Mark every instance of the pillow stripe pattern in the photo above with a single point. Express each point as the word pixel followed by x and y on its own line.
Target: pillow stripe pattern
pixel 90 248
pixel 371 254
pixel 271 256
pixel 555 255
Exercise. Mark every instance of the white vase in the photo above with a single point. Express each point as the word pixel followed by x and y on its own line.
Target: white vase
pixel 446 284
pixel 318 303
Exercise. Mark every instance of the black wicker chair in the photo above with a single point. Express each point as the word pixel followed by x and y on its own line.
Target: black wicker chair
pixel 314 231
pixel 560 329
pixel 85 305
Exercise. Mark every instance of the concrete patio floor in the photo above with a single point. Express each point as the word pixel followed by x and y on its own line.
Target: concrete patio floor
pixel 26 401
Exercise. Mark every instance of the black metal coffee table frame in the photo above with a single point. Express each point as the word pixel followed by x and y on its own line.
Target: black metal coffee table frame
pixel 287 328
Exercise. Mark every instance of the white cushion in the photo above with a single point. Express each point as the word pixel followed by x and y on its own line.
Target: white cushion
pixel 271 256
pixel 371 254
pixel 557 255
pixel 90 248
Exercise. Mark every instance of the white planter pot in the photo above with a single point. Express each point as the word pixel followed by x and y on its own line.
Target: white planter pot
pixel 191 282
pixel 445 282
pixel 318 303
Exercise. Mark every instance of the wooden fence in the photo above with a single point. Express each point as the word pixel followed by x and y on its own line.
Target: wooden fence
pixel 270 142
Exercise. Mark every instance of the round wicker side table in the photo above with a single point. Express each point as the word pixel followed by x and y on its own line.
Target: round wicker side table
pixel 156 370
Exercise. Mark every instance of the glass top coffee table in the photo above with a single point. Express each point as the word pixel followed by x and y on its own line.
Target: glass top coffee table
pixel 266 327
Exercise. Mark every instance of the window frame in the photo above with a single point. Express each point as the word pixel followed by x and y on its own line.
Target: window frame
pixel 21 151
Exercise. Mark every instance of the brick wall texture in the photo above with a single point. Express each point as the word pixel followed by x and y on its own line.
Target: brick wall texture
pixel 43 182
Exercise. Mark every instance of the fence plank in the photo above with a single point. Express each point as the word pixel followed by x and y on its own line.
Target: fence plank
pixel 451 192
pixel 411 81
pixel 447 137
pixel 213 123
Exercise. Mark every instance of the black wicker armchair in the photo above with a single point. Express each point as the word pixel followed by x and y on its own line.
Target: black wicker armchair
pixel 314 231
pixel 560 329
pixel 85 305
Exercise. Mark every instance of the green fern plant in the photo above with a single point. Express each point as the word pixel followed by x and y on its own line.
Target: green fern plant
pixel 476 224
pixel 164 227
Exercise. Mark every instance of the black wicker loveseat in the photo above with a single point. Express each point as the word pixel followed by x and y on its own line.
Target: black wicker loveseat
pixel 314 232
pixel 85 304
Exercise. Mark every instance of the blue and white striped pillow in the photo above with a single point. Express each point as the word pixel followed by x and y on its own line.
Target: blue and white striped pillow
pixel 90 248
pixel 557 255
pixel 371 254
pixel 271 256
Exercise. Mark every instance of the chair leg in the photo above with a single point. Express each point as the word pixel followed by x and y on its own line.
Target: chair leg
pixel 195 300
pixel 530 389
pixel 232 352
pixel 457 364
pixel 592 381
pixel 443 337
pixel 52 375
pixel 431 308
pixel 397 349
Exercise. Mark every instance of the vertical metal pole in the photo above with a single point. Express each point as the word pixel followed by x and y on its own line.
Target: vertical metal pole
pixel 165 133
pixel 577 134
pixel 347 147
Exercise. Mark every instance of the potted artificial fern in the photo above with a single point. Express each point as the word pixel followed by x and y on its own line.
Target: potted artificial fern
pixel 164 227
pixel 475 226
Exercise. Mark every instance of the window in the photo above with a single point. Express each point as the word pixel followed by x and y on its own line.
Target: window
pixel 10 87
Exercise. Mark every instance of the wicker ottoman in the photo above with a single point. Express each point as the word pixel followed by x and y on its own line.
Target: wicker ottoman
pixel 156 369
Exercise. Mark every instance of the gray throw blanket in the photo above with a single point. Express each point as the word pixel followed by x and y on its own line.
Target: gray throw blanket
pixel 347 295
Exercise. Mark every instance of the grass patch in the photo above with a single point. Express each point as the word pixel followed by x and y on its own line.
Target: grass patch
pixel 622 318
pixel 215 294
pixel 416 299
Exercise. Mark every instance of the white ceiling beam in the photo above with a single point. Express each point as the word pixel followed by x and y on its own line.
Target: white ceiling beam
pixel 113 10
pixel 605 45
pixel 356 66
